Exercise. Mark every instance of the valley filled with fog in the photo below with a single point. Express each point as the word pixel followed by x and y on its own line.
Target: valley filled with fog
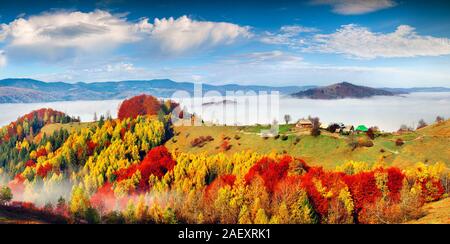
pixel 386 112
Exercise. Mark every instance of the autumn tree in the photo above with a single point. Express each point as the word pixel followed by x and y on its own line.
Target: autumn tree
pixel 261 217
pixel 287 118
pixel 139 105
pixel 5 195
pixel 79 203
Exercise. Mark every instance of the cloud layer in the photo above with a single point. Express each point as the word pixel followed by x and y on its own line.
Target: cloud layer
pixel 355 7
pixel 359 42
pixel 54 36
pixel 287 35
pixel 176 36
pixel 58 35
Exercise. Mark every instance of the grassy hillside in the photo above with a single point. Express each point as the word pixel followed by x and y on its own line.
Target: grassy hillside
pixel 431 144
pixel 428 145
pixel 435 213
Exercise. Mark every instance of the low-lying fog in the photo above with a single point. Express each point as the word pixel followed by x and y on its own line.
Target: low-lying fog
pixel 388 113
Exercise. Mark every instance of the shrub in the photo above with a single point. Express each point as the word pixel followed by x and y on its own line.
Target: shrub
pixel 201 141
pixel 364 142
pixel 225 145
pixel 399 142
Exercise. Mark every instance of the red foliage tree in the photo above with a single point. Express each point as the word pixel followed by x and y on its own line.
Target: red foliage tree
pixel 43 170
pixel 219 182
pixel 364 190
pixel 432 189
pixel 395 183
pixel 41 152
pixel 91 147
pixel 270 171
pixel 139 105
pixel 30 163
pixel 104 199
pixel 157 162
pixel 318 183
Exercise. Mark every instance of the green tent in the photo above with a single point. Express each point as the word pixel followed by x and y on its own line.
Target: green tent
pixel 362 128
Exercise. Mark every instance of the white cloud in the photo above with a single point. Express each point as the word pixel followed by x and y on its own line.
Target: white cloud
pixel 297 29
pixel 355 7
pixel 121 70
pixel 274 68
pixel 287 35
pixel 58 35
pixel 271 58
pixel 2 58
pixel 184 34
pixel 359 42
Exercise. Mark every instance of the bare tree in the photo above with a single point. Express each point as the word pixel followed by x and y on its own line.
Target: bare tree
pixel 287 118
pixel 315 130
pixel 95 117
pixel 421 124
pixel 439 119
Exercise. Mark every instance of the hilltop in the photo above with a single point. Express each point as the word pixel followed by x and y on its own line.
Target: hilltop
pixel 341 90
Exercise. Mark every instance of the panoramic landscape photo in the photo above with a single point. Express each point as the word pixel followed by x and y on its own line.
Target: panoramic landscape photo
pixel 222 112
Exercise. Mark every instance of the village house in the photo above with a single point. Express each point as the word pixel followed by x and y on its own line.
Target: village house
pixel 304 124
pixel 361 128
pixel 324 126
pixel 347 130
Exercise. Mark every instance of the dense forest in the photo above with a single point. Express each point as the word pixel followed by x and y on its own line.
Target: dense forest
pixel 119 171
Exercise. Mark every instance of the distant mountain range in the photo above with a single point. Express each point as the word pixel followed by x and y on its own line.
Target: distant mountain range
pixel 342 90
pixel 416 89
pixel 33 91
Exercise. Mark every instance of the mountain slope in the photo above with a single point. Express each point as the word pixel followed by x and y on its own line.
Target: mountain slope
pixel 342 90
pixel 29 91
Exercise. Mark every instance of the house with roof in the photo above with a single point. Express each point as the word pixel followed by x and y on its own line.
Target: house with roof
pixel 347 130
pixel 304 124
pixel 361 128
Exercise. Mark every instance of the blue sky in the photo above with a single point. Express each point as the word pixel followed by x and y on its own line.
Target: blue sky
pixel 382 43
